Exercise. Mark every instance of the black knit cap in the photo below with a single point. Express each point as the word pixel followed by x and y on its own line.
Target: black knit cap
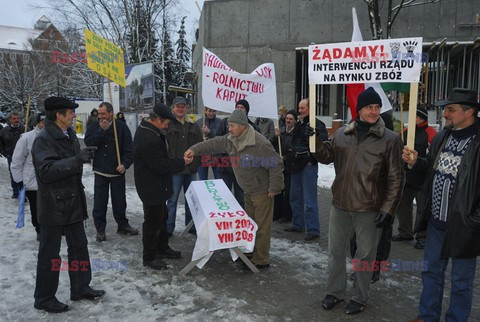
pixel 367 97
pixel 244 103
pixel 422 113
pixel 293 113
pixel 59 103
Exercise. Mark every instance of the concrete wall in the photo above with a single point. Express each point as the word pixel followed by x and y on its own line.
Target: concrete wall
pixel 247 33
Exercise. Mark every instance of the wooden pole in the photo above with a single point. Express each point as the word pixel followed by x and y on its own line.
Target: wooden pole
pixel 412 115
pixel 114 125
pixel 28 114
pixel 312 98
pixel 402 118
pixel 275 122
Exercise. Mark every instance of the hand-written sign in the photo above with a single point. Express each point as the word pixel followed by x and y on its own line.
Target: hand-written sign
pixel 387 60
pixel 104 58
pixel 220 221
pixel 222 87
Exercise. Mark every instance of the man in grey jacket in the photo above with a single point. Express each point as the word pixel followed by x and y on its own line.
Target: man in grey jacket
pixel 259 172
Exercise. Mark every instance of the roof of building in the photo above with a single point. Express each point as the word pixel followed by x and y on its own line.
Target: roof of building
pixel 17 38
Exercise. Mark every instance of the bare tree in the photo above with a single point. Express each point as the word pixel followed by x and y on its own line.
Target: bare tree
pixel 392 12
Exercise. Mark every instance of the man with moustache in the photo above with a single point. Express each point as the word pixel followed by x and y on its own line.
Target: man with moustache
pixel 108 173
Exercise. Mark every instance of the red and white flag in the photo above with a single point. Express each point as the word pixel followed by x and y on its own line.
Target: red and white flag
pixel 353 90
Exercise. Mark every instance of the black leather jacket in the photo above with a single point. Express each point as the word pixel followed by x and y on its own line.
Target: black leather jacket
pixel 61 197
pixel 463 220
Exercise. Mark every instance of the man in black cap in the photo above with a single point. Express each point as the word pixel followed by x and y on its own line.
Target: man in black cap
pixel 153 180
pixel 226 173
pixel 413 184
pixel 449 207
pixel 22 168
pixel 62 207
pixel 366 192
pixel 181 134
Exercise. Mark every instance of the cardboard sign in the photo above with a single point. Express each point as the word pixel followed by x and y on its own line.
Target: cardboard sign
pixel 104 58
pixel 222 87
pixel 387 60
pixel 220 221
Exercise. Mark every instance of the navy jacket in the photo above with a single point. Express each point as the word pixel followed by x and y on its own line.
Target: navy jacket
pixel 105 159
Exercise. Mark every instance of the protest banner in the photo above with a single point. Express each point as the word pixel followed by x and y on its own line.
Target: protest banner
pixel 220 221
pixel 387 60
pixel 104 58
pixel 222 87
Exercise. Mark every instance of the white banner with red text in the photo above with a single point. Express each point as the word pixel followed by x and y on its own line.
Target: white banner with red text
pixel 378 61
pixel 222 87
pixel 220 221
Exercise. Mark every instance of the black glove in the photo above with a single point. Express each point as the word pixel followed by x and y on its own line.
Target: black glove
pixel 20 185
pixel 86 154
pixel 382 219
pixel 309 131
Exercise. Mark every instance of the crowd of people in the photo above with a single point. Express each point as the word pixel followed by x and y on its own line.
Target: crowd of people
pixel 377 179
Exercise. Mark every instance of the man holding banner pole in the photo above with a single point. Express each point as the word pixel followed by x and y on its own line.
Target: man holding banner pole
pixel 366 192
pixel 449 207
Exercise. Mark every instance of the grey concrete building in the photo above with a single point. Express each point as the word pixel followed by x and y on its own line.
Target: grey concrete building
pixel 247 33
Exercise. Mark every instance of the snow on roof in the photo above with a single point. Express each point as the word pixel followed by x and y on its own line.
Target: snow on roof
pixel 16 38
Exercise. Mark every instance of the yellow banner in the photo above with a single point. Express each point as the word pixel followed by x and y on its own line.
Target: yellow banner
pixel 104 58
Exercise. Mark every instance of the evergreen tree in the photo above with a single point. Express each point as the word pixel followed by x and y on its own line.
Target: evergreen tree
pixel 183 52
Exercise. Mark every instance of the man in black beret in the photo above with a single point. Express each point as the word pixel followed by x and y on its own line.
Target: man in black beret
pixel 153 180
pixel 62 207
pixel 449 208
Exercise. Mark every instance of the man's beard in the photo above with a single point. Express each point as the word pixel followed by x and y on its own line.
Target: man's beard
pixel 449 126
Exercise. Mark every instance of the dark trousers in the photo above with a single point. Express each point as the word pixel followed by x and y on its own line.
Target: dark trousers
pixel 229 178
pixel 405 214
pixel 49 252
pixel 154 230
pixel 100 201
pixel 32 200
pixel 281 204
pixel 14 185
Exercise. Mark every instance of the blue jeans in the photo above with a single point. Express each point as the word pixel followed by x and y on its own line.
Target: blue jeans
pixel 178 181
pixel 433 279
pixel 303 200
pixel 203 172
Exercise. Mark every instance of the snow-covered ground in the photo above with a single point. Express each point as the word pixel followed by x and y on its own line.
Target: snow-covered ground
pixel 291 290
pixel 135 293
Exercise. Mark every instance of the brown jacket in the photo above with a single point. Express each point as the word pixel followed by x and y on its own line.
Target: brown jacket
pixel 369 173
pixel 180 137
pixel 257 167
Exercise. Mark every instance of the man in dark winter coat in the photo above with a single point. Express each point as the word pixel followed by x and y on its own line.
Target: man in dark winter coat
pixel 449 207
pixel 109 175
pixel 282 210
pixel 9 136
pixel 413 184
pixel 182 133
pixel 153 180
pixel 62 207
pixel 366 191
pixel 304 174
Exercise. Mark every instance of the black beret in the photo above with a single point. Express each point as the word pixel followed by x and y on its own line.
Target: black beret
pixel 163 111
pixel 59 103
